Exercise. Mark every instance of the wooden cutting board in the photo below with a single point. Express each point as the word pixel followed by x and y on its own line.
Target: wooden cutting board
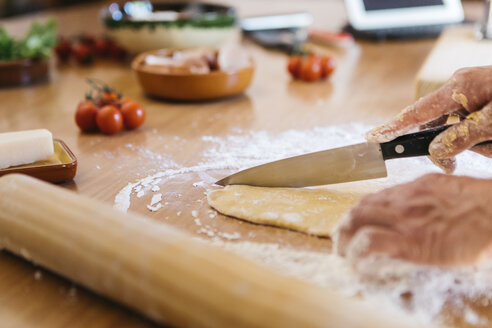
pixel 456 48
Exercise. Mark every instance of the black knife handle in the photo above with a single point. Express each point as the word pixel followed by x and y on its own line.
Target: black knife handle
pixel 414 144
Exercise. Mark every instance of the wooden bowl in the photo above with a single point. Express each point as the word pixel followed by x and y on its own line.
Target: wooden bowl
pixel 189 86
pixel 23 72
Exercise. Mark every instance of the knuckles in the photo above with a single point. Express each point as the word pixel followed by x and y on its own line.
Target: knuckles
pixel 475 84
pixel 425 213
pixel 466 74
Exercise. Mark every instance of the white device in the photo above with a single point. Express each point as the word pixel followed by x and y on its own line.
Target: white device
pixel 389 14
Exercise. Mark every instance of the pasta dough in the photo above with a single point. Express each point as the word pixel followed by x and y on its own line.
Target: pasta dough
pixel 314 211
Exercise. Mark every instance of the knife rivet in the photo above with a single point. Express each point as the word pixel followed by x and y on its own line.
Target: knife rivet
pixel 399 149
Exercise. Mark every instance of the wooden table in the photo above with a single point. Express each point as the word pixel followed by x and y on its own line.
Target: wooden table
pixel 373 81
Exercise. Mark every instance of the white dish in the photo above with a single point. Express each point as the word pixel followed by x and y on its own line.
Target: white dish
pixel 142 26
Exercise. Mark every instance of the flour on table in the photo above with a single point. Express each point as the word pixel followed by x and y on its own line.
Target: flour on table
pixel 230 236
pixel 430 289
pixel 156 199
pixel 423 291
pixel 154 208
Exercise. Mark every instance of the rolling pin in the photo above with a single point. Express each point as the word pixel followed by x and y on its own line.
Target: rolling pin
pixel 161 272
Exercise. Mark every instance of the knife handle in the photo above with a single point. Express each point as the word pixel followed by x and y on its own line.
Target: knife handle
pixel 414 144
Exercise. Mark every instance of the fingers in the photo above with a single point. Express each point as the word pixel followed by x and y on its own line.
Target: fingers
pixel 485 150
pixel 391 210
pixel 477 127
pixel 426 109
pixel 374 210
pixel 434 123
pixel 373 241
pixel 448 165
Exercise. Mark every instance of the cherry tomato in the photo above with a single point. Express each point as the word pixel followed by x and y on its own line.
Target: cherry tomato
pixel 125 99
pixel 108 98
pixel 87 39
pixel 116 51
pixel 327 66
pixel 133 114
pixel 82 53
pixel 310 70
pixel 101 47
pixel 109 119
pixel 85 116
pixel 294 66
pixel 63 49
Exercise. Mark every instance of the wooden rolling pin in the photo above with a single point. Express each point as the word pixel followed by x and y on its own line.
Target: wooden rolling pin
pixel 160 271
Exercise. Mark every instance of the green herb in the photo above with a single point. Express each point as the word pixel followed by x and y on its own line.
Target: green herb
pixel 212 21
pixel 6 45
pixel 38 42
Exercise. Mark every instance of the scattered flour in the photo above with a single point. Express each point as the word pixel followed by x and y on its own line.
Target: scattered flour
pixel 38 275
pixel 422 290
pixel 292 217
pixel 208 230
pixel 156 199
pixel 270 215
pixel 154 208
pixel 230 236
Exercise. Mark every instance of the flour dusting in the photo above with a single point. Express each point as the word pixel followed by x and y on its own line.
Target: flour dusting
pixel 423 291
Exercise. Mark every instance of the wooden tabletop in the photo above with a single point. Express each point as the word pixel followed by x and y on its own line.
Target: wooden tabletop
pixel 372 81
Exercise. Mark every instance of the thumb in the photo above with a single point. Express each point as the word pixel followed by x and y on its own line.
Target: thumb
pixel 485 150
pixel 477 127
pixel 448 165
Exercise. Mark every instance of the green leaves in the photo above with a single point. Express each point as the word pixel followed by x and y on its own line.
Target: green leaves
pixel 6 45
pixel 38 42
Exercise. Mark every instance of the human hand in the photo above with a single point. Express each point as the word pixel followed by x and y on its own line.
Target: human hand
pixel 437 220
pixel 469 94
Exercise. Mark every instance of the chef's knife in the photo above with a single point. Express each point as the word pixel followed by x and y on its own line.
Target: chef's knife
pixel 351 163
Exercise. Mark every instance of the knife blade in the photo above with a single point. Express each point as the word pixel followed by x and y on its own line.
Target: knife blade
pixel 350 163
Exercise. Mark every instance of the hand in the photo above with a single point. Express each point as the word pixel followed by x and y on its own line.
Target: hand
pixel 469 94
pixel 437 219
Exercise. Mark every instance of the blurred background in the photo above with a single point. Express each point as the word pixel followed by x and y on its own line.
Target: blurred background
pixel 18 7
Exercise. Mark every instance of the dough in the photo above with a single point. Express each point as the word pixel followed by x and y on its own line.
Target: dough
pixel 314 211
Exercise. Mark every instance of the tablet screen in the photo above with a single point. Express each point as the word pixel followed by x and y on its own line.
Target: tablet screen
pixel 396 4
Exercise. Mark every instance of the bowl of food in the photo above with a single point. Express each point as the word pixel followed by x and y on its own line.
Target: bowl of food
pixel 145 25
pixel 25 61
pixel 194 74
